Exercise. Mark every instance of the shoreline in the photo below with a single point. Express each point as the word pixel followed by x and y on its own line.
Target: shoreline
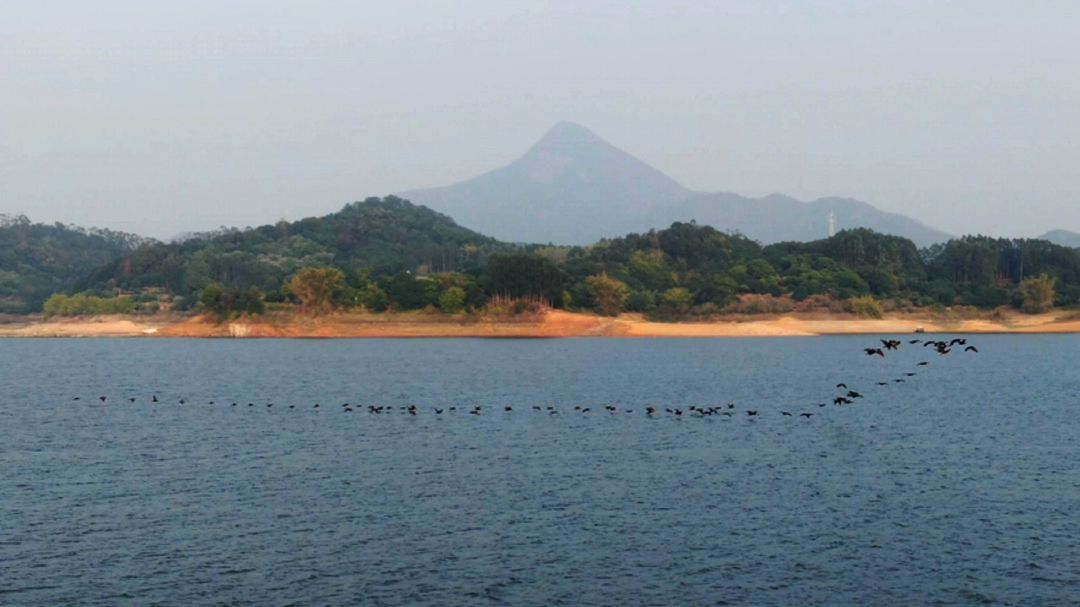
pixel 550 325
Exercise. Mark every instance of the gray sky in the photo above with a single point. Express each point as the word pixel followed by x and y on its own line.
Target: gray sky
pixel 164 117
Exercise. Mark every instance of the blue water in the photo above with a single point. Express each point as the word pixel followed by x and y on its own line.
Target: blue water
pixel 959 486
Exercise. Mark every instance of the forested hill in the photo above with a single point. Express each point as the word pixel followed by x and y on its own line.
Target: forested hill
pixel 37 259
pixel 394 254
pixel 379 235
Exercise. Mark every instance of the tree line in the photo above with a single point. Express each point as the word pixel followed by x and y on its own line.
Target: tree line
pixel 692 271
pixel 386 254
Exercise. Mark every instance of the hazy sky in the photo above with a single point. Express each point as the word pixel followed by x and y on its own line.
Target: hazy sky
pixel 164 117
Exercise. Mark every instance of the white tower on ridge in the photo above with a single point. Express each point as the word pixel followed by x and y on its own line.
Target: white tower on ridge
pixel 832 224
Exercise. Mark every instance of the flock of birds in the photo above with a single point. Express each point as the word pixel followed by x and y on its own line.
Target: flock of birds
pixel 846 395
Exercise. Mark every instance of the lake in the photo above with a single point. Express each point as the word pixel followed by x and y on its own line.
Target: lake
pixel 959 485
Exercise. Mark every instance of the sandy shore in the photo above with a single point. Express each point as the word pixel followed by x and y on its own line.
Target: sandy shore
pixel 552 324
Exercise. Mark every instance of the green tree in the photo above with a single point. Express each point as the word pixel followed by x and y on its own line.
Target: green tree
pixel 212 299
pixel 373 298
pixel 1038 294
pixel 317 287
pixel 641 301
pixel 678 299
pixel 452 300
pixel 608 294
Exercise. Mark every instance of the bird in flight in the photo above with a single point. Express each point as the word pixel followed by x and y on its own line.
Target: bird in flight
pixel 891 344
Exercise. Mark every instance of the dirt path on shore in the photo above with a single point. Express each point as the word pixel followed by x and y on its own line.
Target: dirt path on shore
pixel 555 323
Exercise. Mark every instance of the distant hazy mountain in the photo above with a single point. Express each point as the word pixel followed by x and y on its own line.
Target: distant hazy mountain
pixel 778 218
pixel 574 188
pixel 571 187
pixel 1064 238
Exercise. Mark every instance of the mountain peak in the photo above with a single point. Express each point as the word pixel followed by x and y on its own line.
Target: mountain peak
pixel 572 187
pixel 565 133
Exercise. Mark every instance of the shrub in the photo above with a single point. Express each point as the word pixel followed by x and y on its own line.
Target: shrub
pixel 750 303
pixel 865 307
pixel 1038 294
pixel 820 303
pixel 84 305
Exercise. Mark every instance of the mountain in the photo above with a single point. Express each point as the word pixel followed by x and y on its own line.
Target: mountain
pixel 384 235
pixel 1064 238
pixel 37 260
pixel 572 187
pixel 780 218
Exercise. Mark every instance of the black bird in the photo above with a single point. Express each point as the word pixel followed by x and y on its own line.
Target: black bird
pixel 853 394
pixel 650 410
pixel 922 364
pixel 806 415
pixel 731 405
pixel 785 414
pixel 962 342
pixel 971 349
pixel 891 344
pixel 536 408
pixel 292 406
pixel 840 400
pixel 154 399
pixel 909 375
pixel 315 407
pixel 182 402
pixel 874 352
pixel 102 398
pixel 234 404
pixel 915 341
pixel 883 383
pixel 751 413
pixel 438 411
pixel 348 409
pixel 131 400
pixel 76 398
pixel 474 412
pixel 899 381
pixel 844 386
pixel 508 408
